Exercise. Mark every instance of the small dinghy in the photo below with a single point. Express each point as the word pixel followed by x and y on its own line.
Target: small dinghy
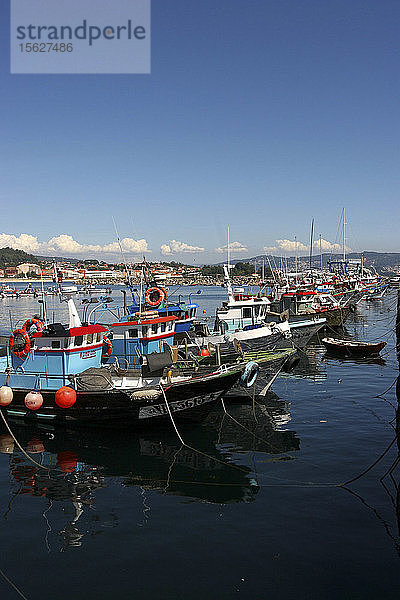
pixel 352 348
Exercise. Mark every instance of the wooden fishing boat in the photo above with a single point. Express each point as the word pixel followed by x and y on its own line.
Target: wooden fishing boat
pixel 352 348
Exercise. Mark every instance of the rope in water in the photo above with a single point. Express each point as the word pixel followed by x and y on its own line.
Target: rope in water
pixel 190 447
pixel 19 445
pixel 13 585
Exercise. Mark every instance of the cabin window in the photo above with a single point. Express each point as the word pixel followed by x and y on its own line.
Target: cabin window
pixel 79 340
pixel 247 313
pixel 154 327
pixel 133 333
pixel 163 327
pixel 66 343
pixel 90 338
pixel 98 337
pixel 56 344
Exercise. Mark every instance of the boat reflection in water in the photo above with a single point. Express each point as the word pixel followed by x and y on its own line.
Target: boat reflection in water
pixel 82 463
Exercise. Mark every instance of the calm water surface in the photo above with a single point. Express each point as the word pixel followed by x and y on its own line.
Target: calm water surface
pixel 253 512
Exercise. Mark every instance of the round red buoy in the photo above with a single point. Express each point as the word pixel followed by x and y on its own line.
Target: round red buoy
pixel 33 400
pixel 67 461
pixel 204 352
pixel 6 395
pixel 65 397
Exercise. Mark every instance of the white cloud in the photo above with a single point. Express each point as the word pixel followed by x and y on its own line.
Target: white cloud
pixel 65 244
pixel 233 247
pixel 128 245
pixel 174 246
pixel 26 242
pixel 165 249
pixel 292 246
pixel 329 247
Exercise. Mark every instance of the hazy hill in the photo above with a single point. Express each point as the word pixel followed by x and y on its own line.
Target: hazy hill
pixel 378 259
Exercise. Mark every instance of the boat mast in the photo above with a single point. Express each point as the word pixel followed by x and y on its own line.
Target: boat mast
pixel 43 300
pixel 226 271
pixel 320 249
pixel 295 255
pixel 311 241
pixel 344 236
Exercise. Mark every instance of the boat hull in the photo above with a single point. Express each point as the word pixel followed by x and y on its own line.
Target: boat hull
pixel 189 400
pixel 349 349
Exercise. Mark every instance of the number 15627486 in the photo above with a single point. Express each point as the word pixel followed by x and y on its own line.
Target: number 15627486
pixel 46 47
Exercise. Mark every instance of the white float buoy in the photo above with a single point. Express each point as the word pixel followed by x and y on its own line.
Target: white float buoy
pixel 6 395
pixel 33 400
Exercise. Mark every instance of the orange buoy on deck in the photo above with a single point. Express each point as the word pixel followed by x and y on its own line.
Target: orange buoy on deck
pixel 65 397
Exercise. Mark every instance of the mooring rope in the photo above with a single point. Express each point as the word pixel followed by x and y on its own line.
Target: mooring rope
pixel 20 447
pixel 13 585
pixel 371 466
pixel 191 447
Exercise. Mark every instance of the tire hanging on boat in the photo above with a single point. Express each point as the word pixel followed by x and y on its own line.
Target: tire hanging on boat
pixel 249 374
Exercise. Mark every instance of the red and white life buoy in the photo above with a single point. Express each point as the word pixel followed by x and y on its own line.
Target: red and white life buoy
pixel 23 353
pixel 155 295
pixel 33 323
pixel 107 348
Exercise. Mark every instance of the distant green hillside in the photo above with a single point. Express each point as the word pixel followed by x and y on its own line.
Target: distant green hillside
pixel 11 258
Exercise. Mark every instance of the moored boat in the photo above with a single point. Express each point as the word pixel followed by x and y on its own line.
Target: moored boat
pixel 352 348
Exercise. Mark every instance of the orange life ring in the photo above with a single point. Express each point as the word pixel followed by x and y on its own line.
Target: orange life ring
pixel 36 322
pixel 161 296
pixel 107 347
pixel 26 349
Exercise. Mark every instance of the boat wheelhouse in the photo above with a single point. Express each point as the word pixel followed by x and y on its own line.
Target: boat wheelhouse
pixel 42 356
pixel 143 333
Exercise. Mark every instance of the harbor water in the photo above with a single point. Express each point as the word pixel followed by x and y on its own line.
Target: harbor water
pixel 252 507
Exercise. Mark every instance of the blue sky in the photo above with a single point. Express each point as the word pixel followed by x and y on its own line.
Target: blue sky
pixel 257 114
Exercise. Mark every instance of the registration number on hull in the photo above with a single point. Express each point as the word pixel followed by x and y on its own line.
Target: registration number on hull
pixel 158 410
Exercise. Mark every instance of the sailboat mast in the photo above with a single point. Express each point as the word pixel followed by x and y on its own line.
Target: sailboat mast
pixel 344 234
pixel 320 249
pixel 227 249
pixel 311 241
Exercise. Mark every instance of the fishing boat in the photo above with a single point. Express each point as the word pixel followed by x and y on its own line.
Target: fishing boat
pixel 53 372
pixel 255 313
pixel 352 348
pixel 309 303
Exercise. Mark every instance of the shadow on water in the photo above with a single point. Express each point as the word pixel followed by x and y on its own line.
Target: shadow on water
pixel 79 464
